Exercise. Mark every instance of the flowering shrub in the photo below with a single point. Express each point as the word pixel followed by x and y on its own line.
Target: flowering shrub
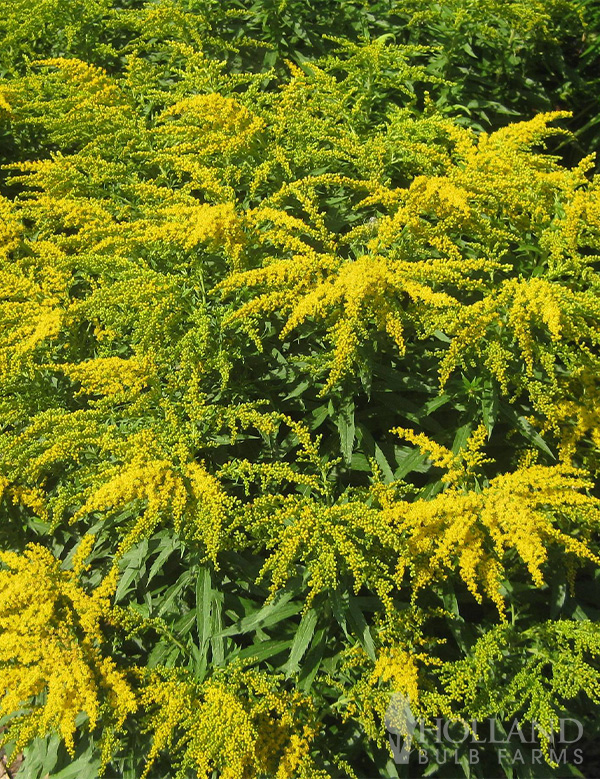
pixel 299 393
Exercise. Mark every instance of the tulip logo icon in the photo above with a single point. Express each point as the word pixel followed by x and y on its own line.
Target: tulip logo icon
pixel 400 725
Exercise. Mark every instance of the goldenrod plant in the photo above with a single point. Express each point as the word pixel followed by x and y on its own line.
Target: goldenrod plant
pixel 299 402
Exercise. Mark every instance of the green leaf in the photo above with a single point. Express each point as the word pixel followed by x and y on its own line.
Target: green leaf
pixel 527 430
pixel 298 390
pixel 346 429
pixel 203 606
pixel 435 403
pixel 360 463
pixel 217 641
pixel 270 614
pixel 372 449
pixel 359 623
pixel 302 639
pixel 319 415
pixel 173 591
pixel 489 406
pixel 134 560
pixel 264 650
pixel 86 767
pixel 312 662
pixel 382 462
pixel 167 546
pixel 410 461
pixel 461 437
pixel 41 756
pixel 339 607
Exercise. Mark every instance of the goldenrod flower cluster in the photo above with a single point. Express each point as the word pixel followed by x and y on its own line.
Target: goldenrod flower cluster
pixel 239 723
pixel 474 533
pixel 306 372
pixel 54 666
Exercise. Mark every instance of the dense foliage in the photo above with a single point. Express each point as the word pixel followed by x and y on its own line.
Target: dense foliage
pixel 299 381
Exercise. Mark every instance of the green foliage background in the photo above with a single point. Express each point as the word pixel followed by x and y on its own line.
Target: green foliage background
pixel 298 376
